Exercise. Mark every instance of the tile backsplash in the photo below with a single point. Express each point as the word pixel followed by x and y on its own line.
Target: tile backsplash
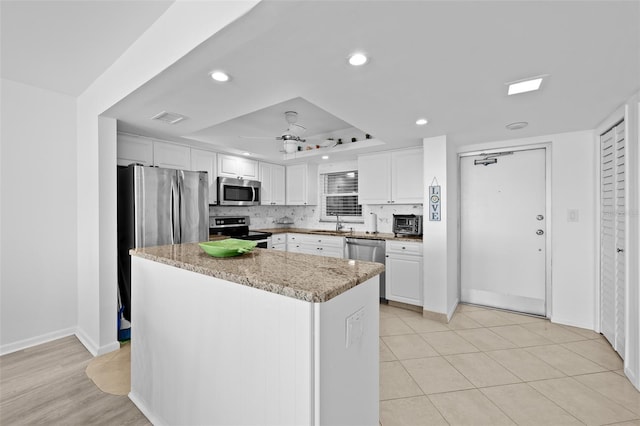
pixel 264 217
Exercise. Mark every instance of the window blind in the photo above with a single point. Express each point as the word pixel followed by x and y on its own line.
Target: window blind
pixel 340 196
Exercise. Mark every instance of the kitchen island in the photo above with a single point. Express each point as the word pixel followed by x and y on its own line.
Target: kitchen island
pixel 268 337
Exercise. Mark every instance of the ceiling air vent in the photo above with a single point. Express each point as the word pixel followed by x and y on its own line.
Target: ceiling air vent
pixel 168 117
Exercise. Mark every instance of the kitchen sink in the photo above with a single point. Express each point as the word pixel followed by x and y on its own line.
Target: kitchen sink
pixel 323 231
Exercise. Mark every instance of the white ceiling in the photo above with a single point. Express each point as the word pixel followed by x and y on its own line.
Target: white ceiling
pixel 65 45
pixel 443 60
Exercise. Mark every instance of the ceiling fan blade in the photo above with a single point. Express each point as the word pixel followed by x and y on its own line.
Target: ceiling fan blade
pixel 258 137
pixel 296 129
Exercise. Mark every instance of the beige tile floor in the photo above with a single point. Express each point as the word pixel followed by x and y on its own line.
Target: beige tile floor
pixel 489 367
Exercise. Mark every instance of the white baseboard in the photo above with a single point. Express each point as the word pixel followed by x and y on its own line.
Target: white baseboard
pixel 34 341
pixel 93 347
pixel 564 321
pixel 452 309
pixel 144 410
pixel 635 380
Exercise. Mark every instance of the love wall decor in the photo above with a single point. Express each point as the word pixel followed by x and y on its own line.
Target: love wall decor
pixel 434 201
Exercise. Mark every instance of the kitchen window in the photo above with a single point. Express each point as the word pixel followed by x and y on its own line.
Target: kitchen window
pixel 339 196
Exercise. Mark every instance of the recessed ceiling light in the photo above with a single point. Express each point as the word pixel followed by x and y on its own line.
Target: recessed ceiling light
pixel 358 59
pixel 523 86
pixel 246 153
pixel 517 125
pixel 220 76
pixel 421 121
pixel 325 157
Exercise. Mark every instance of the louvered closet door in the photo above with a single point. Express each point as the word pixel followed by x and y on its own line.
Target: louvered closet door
pixel 612 237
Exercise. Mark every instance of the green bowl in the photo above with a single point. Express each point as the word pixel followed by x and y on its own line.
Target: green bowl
pixel 227 248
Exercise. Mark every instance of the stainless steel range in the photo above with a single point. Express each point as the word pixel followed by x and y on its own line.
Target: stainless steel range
pixel 237 227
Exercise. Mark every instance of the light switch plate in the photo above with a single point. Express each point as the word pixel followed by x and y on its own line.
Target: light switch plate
pixel 573 215
pixel 354 327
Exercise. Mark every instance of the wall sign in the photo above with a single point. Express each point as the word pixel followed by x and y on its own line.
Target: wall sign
pixel 434 203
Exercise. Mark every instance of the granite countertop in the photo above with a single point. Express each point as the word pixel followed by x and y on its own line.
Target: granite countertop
pixel 301 276
pixel 377 236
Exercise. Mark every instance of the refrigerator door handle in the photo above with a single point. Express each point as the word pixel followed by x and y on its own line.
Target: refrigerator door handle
pixel 175 210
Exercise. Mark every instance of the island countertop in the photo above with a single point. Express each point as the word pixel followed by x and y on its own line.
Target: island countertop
pixel 301 276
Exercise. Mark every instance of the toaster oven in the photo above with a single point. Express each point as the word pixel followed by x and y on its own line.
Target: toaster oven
pixel 407 224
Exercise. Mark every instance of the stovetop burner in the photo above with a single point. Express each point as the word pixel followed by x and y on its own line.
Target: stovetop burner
pixel 236 227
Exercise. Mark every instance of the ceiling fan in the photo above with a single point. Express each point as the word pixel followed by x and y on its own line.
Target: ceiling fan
pixel 290 137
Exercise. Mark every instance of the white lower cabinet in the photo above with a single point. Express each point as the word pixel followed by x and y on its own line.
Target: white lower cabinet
pixel 404 278
pixel 279 242
pixel 319 245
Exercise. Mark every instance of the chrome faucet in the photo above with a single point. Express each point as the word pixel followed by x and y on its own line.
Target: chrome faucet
pixel 338 223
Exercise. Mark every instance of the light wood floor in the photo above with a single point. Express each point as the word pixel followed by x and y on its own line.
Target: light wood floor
pixel 47 384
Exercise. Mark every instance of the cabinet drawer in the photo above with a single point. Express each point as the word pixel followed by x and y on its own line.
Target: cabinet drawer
pixel 294 238
pixel 405 247
pixel 279 238
pixel 323 240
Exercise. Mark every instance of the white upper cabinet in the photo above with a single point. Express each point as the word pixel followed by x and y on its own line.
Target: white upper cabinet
pixel 273 184
pixel 394 177
pixel 302 185
pixel 134 149
pixel 237 167
pixel 206 161
pixel 374 178
pixel 407 176
pixel 171 156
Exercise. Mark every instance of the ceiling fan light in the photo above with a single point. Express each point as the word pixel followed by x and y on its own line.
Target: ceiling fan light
pixel 358 59
pixel 220 76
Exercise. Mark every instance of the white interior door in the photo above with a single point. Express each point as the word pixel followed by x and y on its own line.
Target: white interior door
pixel 612 236
pixel 503 231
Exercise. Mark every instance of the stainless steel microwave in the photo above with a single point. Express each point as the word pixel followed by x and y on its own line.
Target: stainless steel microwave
pixel 238 192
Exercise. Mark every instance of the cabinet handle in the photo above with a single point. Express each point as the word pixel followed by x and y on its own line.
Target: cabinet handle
pixel 403 248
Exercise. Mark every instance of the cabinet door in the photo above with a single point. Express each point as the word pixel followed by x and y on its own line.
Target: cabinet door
pixel 133 149
pixel 296 185
pixel 278 185
pixel 330 251
pixel 248 168
pixel 272 179
pixel 407 180
pixel 374 179
pixel 171 156
pixel 237 167
pixel 206 161
pixel 404 278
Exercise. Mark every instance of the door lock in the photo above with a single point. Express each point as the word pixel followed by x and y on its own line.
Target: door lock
pixel 539 232
pixel 539 217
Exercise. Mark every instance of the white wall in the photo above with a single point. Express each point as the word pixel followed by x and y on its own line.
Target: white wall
pixel 165 42
pixel 438 235
pixel 38 266
pixel 573 179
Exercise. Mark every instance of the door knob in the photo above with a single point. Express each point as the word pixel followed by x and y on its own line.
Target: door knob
pixel 619 250
pixel 539 232
pixel 539 217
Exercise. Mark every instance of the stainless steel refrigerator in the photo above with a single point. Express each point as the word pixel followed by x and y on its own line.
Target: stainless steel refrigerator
pixel 157 207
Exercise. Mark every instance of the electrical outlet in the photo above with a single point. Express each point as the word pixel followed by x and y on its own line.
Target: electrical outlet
pixel 354 327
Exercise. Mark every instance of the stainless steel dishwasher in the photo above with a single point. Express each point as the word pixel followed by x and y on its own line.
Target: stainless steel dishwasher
pixel 371 251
